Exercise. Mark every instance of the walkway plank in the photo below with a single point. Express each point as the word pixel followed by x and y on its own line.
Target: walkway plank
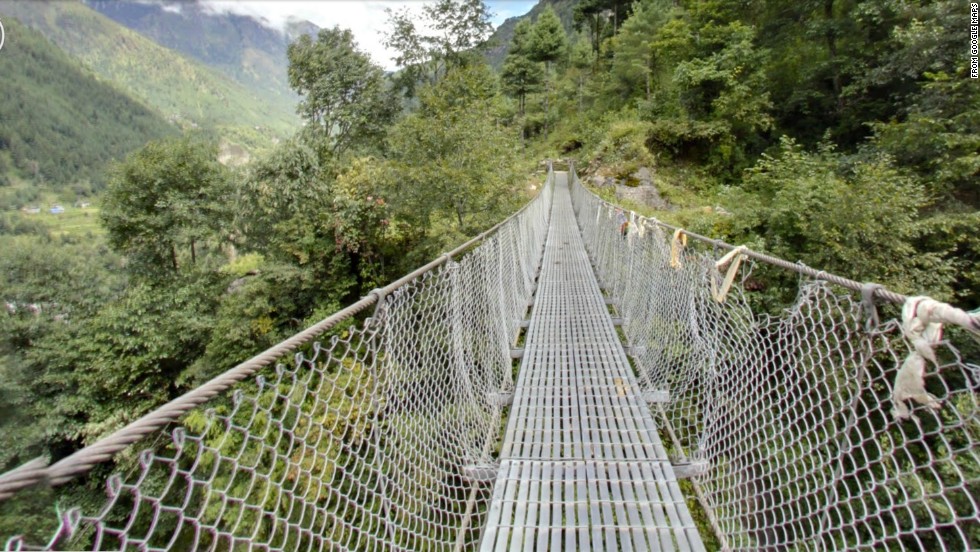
pixel 582 466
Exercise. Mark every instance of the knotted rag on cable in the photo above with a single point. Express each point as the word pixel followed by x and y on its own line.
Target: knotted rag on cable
pixel 733 259
pixel 922 324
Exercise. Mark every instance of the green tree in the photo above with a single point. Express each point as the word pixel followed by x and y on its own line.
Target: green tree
pixel 520 74
pixel 285 183
pixel 548 44
pixel 717 107
pixel 345 99
pixel 548 41
pixel 292 213
pixel 453 159
pixel 602 17
pixel 129 358
pixel 642 49
pixel 861 220
pixel 50 287
pixel 463 27
pixel 463 24
pixel 936 133
pixel 167 198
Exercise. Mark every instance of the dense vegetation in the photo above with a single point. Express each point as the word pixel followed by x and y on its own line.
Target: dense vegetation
pixel 61 126
pixel 844 134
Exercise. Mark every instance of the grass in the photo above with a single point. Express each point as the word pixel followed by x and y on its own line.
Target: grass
pixel 75 221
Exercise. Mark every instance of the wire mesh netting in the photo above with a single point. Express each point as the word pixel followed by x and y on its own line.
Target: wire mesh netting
pixel 366 442
pixel 790 419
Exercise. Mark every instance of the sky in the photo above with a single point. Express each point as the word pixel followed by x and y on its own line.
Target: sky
pixel 365 18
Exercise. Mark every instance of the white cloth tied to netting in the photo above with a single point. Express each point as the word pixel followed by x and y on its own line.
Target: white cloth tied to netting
pixel 922 324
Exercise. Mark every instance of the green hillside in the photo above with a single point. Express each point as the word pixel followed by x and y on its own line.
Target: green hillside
pixel 186 92
pixel 241 47
pixel 61 126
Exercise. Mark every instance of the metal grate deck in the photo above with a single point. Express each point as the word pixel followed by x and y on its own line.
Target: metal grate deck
pixel 582 465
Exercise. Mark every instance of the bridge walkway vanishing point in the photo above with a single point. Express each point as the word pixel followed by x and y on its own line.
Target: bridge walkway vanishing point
pixel 582 466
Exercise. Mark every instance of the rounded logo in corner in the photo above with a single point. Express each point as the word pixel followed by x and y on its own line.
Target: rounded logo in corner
pixel 3 35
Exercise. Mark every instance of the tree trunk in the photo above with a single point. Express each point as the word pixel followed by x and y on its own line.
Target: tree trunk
pixel 828 12
pixel 648 84
pixel 173 257
pixel 547 96
pixel 193 253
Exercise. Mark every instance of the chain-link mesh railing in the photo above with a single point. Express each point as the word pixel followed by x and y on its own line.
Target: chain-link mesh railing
pixel 372 441
pixel 790 422
pixel 382 438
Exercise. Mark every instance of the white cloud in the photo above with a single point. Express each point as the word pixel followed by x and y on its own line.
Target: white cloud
pixel 366 19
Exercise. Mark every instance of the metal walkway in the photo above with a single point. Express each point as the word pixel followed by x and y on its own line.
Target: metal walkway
pixel 582 465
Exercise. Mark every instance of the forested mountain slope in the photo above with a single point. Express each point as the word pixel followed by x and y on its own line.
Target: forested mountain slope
pixel 184 91
pixel 60 124
pixel 241 47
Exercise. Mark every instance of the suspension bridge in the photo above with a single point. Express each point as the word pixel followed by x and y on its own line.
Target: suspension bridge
pixel 563 381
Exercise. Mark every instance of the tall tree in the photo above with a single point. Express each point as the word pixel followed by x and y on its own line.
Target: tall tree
pixel 520 74
pixel 937 129
pixel 548 41
pixel 345 97
pixel 463 25
pixel 462 29
pixel 452 158
pixel 165 200
pixel 641 47
pixel 548 44
pixel 602 17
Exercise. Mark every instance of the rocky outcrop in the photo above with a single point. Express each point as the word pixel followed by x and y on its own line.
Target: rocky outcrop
pixel 638 188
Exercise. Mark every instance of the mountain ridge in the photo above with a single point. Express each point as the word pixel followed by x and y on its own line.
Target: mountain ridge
pixel 62 125
pixel 247 49
pixel 185 91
